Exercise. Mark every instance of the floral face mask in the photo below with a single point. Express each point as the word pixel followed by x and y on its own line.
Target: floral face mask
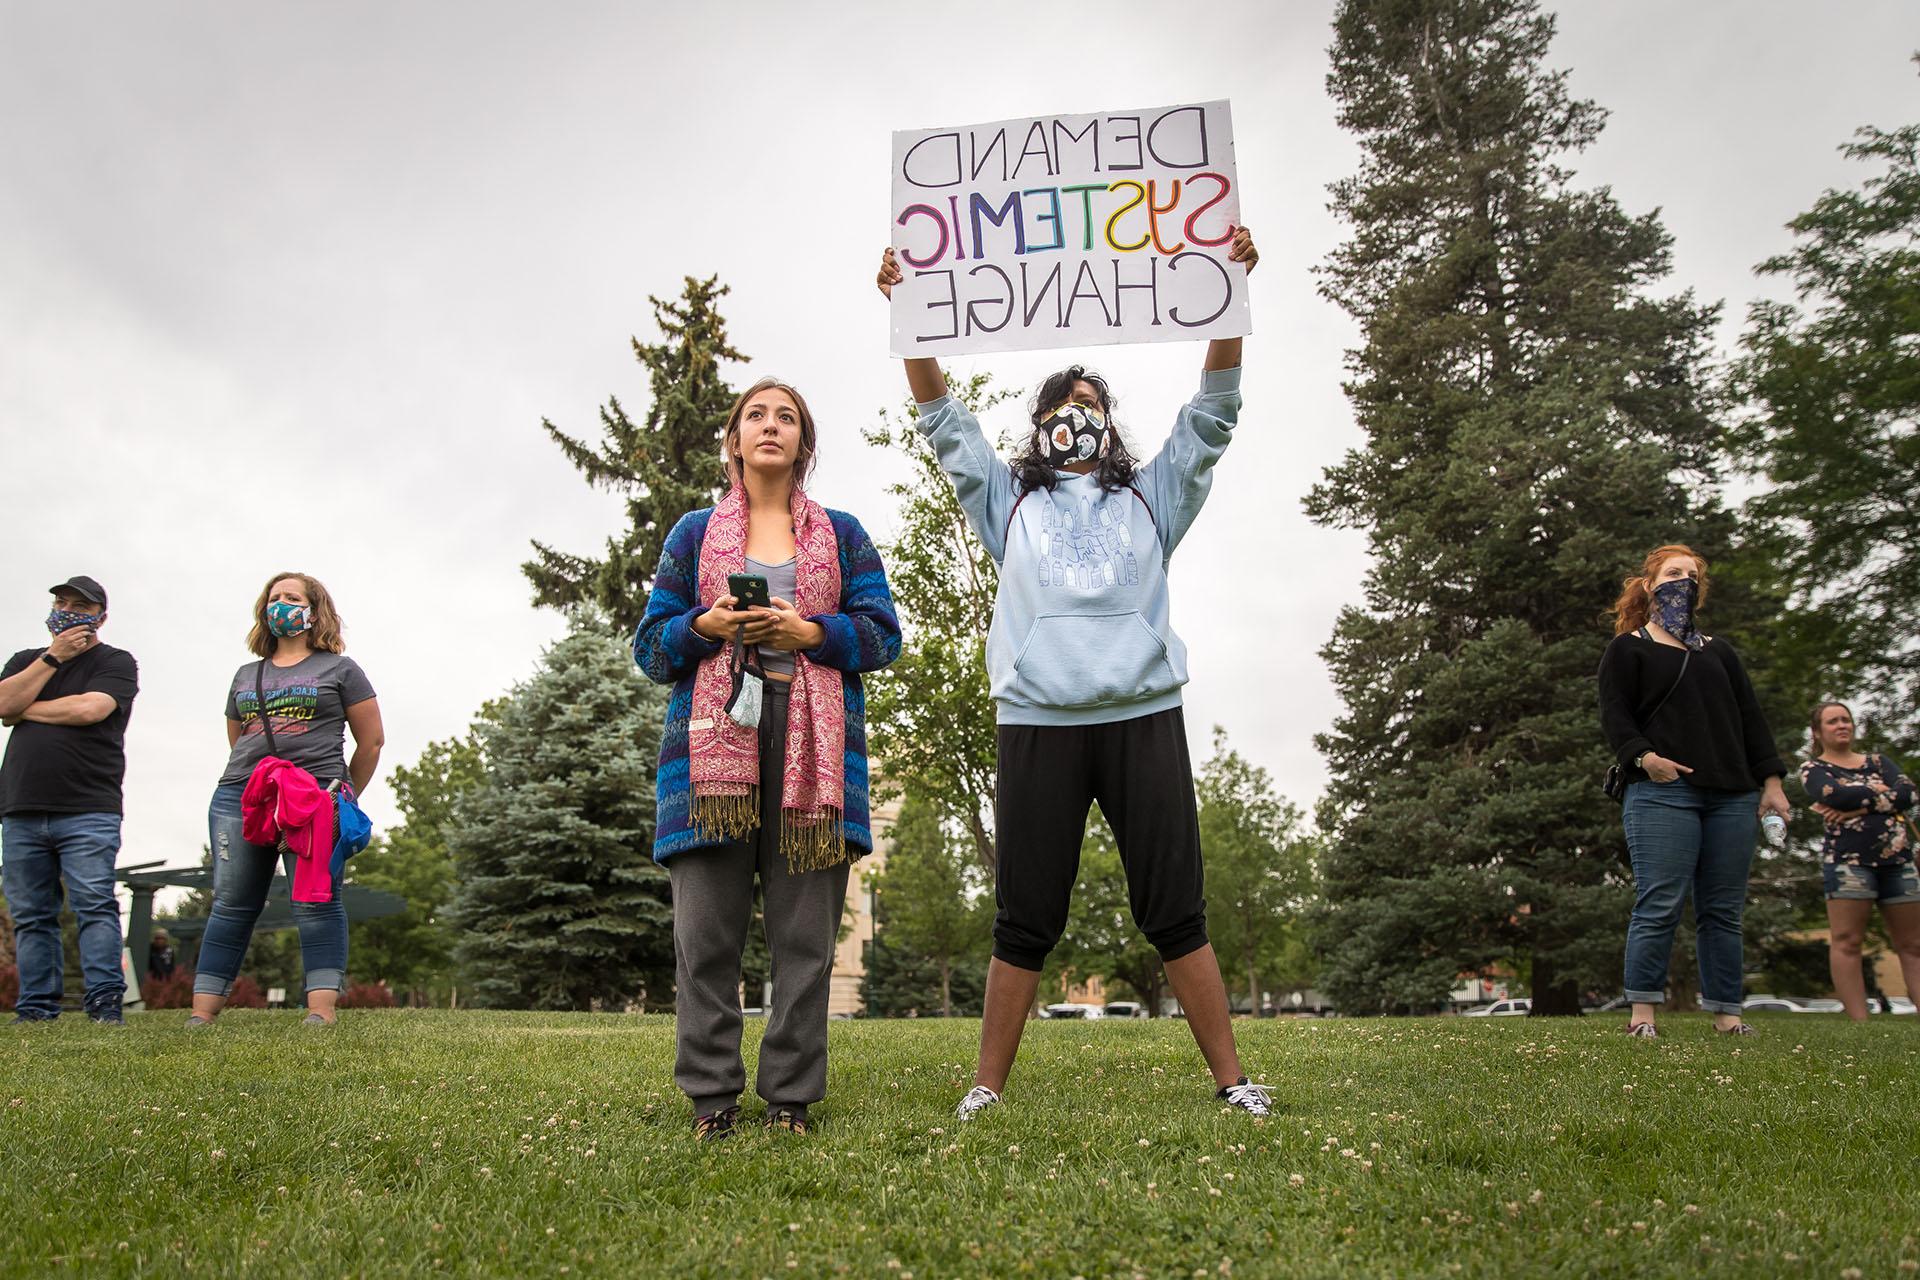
pixel 1673 604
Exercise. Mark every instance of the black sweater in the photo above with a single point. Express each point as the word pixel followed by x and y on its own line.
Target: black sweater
pixel 1712 723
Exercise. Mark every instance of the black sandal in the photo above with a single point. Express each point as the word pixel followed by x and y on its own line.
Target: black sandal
pixel 716 1125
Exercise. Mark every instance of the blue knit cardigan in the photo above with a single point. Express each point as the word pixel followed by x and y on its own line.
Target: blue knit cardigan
pixel 863 636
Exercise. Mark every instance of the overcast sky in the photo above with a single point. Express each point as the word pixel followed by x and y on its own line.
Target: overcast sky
pixel 289 287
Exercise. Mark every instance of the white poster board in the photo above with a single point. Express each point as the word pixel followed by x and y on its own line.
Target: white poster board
pixel 1057 231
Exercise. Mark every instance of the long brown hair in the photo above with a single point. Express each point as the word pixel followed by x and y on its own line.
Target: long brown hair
pixel 730 441
pixel 327 628
pixel 1630 611
pixel 1820 709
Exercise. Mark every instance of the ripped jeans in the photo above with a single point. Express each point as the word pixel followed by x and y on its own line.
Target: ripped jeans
pixel 242 874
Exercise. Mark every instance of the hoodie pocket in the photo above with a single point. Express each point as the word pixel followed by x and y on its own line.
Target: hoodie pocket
pixel 1074 660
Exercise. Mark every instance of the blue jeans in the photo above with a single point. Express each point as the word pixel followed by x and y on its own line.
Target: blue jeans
pixel 1686 837
pixel 242 874
pixel 39 850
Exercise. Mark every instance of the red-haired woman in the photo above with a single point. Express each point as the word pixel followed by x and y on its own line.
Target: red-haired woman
pixel 1681 716
pixel 309 693
pixel 1868 854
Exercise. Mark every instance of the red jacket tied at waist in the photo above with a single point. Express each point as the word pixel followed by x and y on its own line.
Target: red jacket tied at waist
pixel 285 805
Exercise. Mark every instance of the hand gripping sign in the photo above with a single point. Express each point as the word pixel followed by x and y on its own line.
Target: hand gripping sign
pixel 1058 231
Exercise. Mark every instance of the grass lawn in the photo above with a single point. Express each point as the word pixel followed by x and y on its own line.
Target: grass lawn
pixel 529 1144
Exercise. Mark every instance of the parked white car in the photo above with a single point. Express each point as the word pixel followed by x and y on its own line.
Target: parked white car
pixel 1073 1011
pixel 1125 1009
pixel 1516 1007
pixel 1784 1004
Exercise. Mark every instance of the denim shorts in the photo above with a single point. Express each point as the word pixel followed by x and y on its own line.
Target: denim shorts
pixel 1893 883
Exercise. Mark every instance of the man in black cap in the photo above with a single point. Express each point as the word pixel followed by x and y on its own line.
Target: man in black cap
pixel 67 705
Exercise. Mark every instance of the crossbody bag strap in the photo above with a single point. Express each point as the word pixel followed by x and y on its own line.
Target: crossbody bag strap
pixel 1686 656
pixel 260 705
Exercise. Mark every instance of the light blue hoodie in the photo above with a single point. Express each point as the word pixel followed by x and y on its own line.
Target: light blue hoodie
pixel 1080 632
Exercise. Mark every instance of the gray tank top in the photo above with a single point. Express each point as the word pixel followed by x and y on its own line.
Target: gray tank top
pixel 782 581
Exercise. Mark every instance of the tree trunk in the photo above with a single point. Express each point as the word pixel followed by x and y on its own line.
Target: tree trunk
pixel 946 986
pixel 982 840
pixel 1253 987
pixel 1553 996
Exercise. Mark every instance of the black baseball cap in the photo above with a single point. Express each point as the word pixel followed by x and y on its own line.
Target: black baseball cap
pixel 84 587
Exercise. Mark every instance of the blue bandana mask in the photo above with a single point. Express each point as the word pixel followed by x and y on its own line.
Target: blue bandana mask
pixel 59 620
pixel 1673 604
pixel 1074 433
pixel 284 619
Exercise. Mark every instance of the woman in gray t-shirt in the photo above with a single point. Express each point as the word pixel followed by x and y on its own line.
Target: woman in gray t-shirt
pixel 311 694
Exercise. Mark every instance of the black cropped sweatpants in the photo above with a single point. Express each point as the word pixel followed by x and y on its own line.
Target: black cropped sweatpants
pixel 1139 773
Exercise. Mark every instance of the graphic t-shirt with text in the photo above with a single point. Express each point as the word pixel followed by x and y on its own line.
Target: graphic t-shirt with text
pixel 307 707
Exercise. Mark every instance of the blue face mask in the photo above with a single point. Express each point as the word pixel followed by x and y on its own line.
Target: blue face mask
pixel 59 619
pixel 287 619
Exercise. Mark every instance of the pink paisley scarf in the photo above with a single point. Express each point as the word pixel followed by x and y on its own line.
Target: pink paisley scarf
pixel 724 758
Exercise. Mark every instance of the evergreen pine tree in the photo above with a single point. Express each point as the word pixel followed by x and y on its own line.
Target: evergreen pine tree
pixel 667 466
pixel 1536 422
pixel 559 903
pixel 412 952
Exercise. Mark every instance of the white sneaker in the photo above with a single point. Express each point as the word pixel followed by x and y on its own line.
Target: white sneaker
pixel 1250 1098
pixel 978 1099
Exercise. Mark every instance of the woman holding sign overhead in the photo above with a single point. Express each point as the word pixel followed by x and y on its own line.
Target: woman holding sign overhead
pixel 1086 676
pixel 764 611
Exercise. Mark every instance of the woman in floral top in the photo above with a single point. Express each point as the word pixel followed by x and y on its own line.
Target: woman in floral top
pixel 1868 855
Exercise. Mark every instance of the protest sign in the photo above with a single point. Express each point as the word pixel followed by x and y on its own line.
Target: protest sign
pixel 1072 230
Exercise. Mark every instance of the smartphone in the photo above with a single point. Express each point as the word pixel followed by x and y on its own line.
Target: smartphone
pixel 749 590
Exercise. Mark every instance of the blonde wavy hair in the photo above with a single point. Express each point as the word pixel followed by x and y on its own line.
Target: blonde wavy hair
pixel 327 627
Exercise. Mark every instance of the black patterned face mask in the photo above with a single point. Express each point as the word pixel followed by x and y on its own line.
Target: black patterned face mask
pixel 1075 433
pixel 1673 604
pixel 59 619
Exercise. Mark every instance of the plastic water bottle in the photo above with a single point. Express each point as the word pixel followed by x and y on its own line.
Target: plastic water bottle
pixel 1775 828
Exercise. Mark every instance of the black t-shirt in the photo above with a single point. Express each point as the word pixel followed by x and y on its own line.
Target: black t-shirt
pixel 69 768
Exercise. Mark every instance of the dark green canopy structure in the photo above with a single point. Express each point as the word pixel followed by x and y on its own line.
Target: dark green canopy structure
pixel 148 877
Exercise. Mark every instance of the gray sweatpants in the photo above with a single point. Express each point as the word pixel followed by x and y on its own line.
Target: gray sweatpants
pixel 712 909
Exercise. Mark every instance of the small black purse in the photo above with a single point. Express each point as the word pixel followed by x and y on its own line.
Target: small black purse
pixel 1615 783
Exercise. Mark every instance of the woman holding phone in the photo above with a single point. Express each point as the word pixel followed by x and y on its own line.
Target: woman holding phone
pixel 763 764
pixel 1086 674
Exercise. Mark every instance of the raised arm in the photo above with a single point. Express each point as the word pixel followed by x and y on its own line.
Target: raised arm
pixel 980 479
pixel 27 675
pixel 1224 353
pixel 924 378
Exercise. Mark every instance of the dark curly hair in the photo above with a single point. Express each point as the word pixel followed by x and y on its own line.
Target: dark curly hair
pixel 1030 467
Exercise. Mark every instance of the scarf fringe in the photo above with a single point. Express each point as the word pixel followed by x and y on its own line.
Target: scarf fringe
pixel 730 815
pixel 812 842
pixel 808 842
